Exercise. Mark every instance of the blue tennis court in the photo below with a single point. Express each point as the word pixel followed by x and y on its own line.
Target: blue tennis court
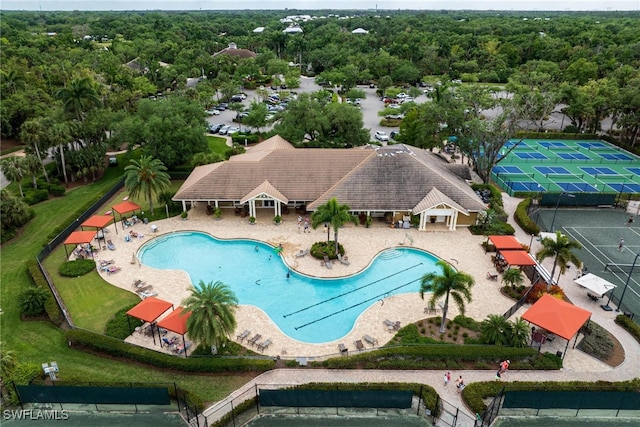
pixel 598 171
pixel 635 171
pixel 615 156
pixel 552 170
pixel 525 186
pixel 592 145
pixel 577 187
pixel 573 156
pixel 530 155
pixel 507 169
pixel 625 188
pixel 552 144
pixel 510 144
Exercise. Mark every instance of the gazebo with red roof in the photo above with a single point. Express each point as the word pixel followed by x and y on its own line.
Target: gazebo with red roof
pixel 558 317
pixel 99 222
pixel 126 207
pixel 505 243
pixel 176 322
pixel 78 238
pixel 148 311
pixel 518 258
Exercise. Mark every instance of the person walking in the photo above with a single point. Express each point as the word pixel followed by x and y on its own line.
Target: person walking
pixel 460 384
pixel 630 221
pixel 621 245
pixel 447 378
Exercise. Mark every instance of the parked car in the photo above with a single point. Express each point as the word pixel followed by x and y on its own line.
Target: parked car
pixel 232 130
pixel 237 98
pixel 221 107
pixel 394 133
pixel 213 112
pixel 215 128
pixel 223 130
pixel 381 136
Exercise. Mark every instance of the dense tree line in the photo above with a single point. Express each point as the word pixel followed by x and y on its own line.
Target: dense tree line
pixel 67 68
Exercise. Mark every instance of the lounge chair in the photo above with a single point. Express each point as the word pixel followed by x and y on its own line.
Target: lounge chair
pixel 302 253
pixel 137 284
pixel 254 339
pixel 147 294
pixel 243 335
pixel 327 262
pixel 392 326
pixel 263 346
pixel 105 263
pixel 343 260
pixel 112 269
pixel 144 288
pixel 370 340
pixel 492 275
pixel 359 345
pixel 342 348
pixel 110 245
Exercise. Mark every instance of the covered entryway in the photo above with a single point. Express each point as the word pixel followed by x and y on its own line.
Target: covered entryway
pixel 265 196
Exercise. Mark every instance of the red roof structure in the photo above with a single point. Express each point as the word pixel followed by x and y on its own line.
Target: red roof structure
pixel 80 237
pixel 518 258
pixel 506 243
pixel 176 321
pixel 557 316
pixel 125 207
pixel 98 221
pixel 150 309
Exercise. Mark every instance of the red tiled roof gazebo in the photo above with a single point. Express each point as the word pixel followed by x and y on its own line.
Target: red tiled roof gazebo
pixel 505 243
pixel 78 238
pixel 176 322
pixel 126 207
pixel 518 258
pixel 99 222
pixel 148 311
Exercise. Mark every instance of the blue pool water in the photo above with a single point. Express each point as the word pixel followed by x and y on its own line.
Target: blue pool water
pixel 307 309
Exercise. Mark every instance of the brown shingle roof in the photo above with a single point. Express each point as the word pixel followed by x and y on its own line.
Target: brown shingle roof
pixel 393 178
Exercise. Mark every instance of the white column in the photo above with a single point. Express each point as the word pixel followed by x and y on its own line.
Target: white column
pixel 454 220
pixel 423 220
pixel 252 208
pixel 184 206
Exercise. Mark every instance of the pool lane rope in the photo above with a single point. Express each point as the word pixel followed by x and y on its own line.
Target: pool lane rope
pixel 350 292
pixel 377 297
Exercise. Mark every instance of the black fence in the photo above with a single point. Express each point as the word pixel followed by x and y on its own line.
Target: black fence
pixel 60 238
pixel 577 403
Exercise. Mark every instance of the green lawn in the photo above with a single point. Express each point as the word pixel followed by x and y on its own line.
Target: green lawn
pixel 217 145
pixel 90 301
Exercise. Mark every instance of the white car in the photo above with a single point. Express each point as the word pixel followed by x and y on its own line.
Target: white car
pixel 213 112
pixel 381 136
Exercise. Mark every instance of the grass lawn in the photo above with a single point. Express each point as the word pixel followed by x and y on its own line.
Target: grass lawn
pixel 40 341
pixel 217 145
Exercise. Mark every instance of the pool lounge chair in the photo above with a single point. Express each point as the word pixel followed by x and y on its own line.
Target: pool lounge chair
pixel 110 245
pixel 302 253
pixel 243 335
pixel 263 346
pixel 392 326
pixel 343 349
pixel 255 339
pixel 327 262
pixel 147 294
pixel 343 260
pixel 371 340
pixel 359 345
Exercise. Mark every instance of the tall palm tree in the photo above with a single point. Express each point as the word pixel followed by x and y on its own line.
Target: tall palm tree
pixel 212 307
pixel 60 135
pixel 13 169
pixel 79 96
pixel 560 249
pixel 512 277
pixel 34 133
pixel 335 214
pixel 450 283
pixel 32 167
pixel 146 176
pixel 12 81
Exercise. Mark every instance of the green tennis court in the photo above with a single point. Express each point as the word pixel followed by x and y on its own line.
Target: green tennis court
pixel 338 421
pixel 599 231
pixel 572 166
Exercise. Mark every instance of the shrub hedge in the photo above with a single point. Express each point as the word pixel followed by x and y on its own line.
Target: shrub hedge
pixel 23 374
pixel 475 393
pixel 629 325
pixel 596 341
pixel 57 190
pixel 77 268
pixel 114 347
pixel 240 138
pixel 556 135
pixel 321 249
pixel 118 326
pixel 31 197
pixel 444 356
pixel 522 218
pixel 51 305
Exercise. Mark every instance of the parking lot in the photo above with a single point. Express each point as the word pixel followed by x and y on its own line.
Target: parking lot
pixel 370 107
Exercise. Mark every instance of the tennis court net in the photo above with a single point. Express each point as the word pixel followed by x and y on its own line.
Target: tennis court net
pixel 621 268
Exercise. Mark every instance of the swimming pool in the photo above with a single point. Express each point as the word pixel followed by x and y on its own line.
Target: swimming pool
pixel 308 309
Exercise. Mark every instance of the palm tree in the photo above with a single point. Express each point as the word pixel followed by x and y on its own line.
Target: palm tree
pixel 450 283
pixel 13 169
pixel 13 211
pixel 496 330
pixel 32 167
pixel 512 277
pixel 335 215
pixel 79 97
pixel 519 333
pixel 560 249
pixel 34 133
pixel 32 300
pixel 212 307
pixel 60 135
pixel 12 81
pixel 146 176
